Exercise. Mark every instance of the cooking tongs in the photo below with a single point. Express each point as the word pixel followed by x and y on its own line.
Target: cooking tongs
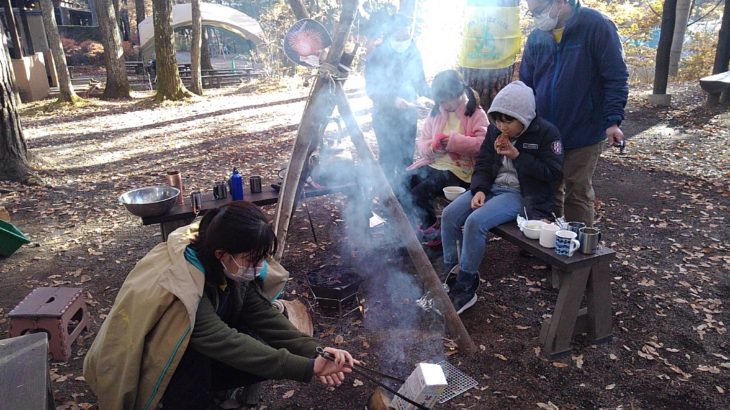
pixel 363 371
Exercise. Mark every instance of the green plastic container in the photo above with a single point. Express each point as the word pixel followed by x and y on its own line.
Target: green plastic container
pixel 11 238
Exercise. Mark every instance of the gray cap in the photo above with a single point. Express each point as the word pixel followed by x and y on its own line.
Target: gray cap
pixel 516 100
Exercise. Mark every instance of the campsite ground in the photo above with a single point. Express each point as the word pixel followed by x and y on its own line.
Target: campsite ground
pixel 663 206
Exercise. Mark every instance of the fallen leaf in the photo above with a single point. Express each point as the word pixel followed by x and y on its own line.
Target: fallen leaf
pixel 357 383
pixel 559 365
pixel 288 394
pixel 720 390
pixel 523 327
pixel 500 357
pixel 610 387
pixel 578 361
pixel 548 406
pixel 339 340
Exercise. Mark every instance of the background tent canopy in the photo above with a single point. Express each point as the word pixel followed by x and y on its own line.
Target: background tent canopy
pixel 212 15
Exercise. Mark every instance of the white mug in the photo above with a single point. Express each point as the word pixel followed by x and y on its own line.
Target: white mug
pixel 547 235
pixel 565 243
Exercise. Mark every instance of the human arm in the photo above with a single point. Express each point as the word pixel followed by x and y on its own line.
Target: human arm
pixel 483 176
pixel 471 141
pixel 547 164
pixel 215 339
pixel 608 55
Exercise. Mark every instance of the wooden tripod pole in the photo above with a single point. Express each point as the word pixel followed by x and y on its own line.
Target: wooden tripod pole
pixel 420 260
pixel 314 120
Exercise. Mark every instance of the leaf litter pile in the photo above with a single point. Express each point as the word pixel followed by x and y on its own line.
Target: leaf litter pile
pixel 662 206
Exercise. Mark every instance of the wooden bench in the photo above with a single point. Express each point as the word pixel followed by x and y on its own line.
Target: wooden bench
pixel 24 377
pixel 717 86
pixel 181 215
pixel 578 277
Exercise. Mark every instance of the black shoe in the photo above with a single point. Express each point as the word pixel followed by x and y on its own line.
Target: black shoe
pixel 462 297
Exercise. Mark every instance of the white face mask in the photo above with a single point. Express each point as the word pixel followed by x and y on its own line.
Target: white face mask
pixel 400 46
pixel 544 21
pixel 242 274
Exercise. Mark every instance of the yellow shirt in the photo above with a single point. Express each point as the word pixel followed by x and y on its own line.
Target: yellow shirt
pixel 459 167
pixel 558 33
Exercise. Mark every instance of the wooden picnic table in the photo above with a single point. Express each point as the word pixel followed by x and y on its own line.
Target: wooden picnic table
pixel 577 277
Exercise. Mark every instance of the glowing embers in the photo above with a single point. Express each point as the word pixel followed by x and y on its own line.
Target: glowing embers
pixel 335 289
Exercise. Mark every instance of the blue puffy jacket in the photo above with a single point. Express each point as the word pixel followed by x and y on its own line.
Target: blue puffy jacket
pixel 580 83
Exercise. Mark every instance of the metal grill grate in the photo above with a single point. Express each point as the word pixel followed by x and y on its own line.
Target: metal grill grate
pixel 458 382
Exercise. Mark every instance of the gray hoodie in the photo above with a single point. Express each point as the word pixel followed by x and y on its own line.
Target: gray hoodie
pixel 516 100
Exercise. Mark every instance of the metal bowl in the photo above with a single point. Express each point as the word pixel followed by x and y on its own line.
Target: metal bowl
pixel 150 200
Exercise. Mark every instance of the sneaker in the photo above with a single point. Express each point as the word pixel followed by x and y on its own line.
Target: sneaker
pixel 464 301
pixel 464 298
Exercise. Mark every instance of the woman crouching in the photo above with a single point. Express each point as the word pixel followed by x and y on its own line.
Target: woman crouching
pixel 190 320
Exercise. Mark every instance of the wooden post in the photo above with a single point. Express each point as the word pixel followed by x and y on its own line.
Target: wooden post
pixel 311 127
pixel 13 28
pixel 420 260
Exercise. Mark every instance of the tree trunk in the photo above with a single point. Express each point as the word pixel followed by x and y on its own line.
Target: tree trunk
pixel 661 73
pixel 486 77
pixel 65 89
pixel 299 9
pixel 680 27
pixel 205 63
pixel 13 150
pixel 140 14
pixel 117 84
pixel 196 84
pixel 487 82
pixel 722 55
pixel 17 51
pixel 169 85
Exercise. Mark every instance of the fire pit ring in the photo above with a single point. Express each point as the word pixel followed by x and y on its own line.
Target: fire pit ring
pixel 334 288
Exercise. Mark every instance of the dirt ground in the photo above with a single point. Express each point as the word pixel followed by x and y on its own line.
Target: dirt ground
pixel 663 206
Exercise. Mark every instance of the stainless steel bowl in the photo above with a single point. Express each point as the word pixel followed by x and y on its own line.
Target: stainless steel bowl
pixel 150 200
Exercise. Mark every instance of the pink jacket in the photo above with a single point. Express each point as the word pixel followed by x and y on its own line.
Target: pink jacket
pixel 464 145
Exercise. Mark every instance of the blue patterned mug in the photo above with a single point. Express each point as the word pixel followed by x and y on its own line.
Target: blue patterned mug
pixel 565 243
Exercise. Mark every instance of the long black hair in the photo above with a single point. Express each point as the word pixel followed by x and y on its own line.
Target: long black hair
pixel 238 227
pixel 448 85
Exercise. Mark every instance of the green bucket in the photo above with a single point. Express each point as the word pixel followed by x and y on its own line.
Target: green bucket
pixel 11 238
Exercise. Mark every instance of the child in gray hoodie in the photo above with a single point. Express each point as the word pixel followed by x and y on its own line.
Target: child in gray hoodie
pixel 517 168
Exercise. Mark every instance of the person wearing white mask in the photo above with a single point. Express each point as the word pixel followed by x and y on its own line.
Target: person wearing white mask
pixel 394 78
pixel 191 321
pixel 573 60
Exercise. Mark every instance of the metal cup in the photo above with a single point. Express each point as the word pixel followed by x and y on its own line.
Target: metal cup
pixel 196 201
pixel 576 227
pixel 255 184
pixel 220 190
pixel 589 239
pixel 174 178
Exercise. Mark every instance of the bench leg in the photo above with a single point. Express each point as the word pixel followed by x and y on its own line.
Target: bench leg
pixel 557 332
pixel 598 300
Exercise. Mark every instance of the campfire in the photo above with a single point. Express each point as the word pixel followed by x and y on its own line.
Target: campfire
pixel 334 288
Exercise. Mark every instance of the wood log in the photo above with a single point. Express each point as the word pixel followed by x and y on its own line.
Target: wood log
pixel 420 260
pixel 311 127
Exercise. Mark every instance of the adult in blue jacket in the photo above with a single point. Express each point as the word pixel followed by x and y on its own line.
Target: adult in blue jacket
pixel 574 62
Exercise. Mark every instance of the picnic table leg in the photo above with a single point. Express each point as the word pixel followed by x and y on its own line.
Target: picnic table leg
pixel 167 227
pixel 598 299
pixel 557 331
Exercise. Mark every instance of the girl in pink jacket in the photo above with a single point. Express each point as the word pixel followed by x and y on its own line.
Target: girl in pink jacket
pixel 447 145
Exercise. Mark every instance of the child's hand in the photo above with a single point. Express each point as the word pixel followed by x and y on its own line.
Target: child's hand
pixel 478 200
pixel 503 146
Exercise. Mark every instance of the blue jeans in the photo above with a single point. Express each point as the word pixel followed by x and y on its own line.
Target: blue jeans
pixel 502 205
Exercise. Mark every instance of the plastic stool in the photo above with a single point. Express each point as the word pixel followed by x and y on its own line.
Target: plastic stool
pixel 60 312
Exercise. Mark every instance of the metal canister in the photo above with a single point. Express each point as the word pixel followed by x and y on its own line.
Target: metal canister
pixel 220 190
pixel 174 178
pixel 255 183
pixel 196 201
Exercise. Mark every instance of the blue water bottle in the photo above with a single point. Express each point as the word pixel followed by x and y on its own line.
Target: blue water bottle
pixel 236 185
